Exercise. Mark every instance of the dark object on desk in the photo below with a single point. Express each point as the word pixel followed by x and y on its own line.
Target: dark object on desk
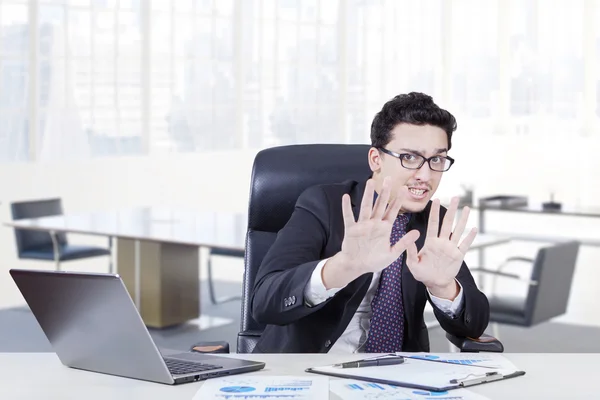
pixel 49 246
pixel 373 362
pixel 279 176
pixel 502 201
pixel 552 206
pixel 548 289
pixel 485 343
pixel 211 347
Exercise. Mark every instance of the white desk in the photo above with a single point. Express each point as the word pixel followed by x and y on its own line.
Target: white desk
pixel 41 376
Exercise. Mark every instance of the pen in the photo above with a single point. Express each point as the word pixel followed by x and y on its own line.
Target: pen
pixel 372 362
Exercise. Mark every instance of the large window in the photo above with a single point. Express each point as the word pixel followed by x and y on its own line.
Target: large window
pixel 92 78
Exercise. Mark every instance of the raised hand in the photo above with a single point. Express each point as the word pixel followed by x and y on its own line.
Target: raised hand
pixel 366 245
pixel 440 258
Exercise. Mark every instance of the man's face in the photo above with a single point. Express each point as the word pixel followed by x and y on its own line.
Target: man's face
pixel 418 185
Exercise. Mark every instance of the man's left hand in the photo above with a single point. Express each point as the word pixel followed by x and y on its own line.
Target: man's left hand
pixel 440 258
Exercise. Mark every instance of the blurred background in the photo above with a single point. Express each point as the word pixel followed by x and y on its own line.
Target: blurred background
pixel 110 104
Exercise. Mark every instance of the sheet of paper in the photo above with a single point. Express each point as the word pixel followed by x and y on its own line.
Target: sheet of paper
pixel 348 389
pixel 265 387
pixel 491 360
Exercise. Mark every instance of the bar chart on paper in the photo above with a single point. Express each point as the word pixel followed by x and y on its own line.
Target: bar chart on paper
pixel 490 360
pixel 357 390
pixel 264 387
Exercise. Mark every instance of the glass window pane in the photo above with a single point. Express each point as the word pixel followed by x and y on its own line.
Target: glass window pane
pixel 79 34
pixel 13 29
pixel 51 31
pixel 14 139
pixel 13 84
pixel 130 36
pixel 224 7
pixel 329 11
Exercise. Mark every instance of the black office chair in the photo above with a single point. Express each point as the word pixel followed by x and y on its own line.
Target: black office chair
pixel 548 288
pixel 279 176
pixel 44 245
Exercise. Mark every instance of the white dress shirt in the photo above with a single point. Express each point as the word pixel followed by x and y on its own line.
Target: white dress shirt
pixel 355 335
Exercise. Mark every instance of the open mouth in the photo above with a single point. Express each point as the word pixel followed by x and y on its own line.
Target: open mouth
pixel 418 193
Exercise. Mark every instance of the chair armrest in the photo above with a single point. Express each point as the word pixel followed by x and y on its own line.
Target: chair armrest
pixel 210 347
pixel 485 343
pixel 524 259
pixel 492 272
pixel 247 341
pixel 504 274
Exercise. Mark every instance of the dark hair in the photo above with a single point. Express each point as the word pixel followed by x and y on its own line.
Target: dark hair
pixel 412 108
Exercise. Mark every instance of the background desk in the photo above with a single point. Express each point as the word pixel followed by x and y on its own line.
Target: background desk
pixel 157 252
pixel 566 211
pixel 41 376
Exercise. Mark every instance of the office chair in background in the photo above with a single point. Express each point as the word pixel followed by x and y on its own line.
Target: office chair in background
pixel 49 246
pixel 548 288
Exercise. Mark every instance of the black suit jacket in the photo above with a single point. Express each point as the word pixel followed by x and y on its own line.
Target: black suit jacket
pixel 315 231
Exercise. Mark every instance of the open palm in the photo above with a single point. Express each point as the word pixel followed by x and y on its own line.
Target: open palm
pixel 440 258
pixel 367 241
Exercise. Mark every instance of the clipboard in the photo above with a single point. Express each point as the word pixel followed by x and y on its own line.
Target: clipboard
pixel 423 374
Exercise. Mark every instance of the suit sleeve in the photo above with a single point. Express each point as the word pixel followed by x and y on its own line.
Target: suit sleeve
pixel 278 294
pixel 474 315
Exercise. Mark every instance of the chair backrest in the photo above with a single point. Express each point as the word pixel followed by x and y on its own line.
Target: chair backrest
pixel 30 239
pixel 279 176
pixel 553 271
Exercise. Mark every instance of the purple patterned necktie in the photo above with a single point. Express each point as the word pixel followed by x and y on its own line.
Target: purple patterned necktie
pixel 387 322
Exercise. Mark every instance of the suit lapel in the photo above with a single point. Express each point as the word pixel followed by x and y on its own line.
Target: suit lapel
pixel 356 197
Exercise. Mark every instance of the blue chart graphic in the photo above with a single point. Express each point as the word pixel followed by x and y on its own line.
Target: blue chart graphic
pixel 357 386
pixel 463 362
pixel 426 393
pixel 257 396
pixel 237 389
pixel 281 389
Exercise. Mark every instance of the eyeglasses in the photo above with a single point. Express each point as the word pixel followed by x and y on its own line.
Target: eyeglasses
pixel 415 161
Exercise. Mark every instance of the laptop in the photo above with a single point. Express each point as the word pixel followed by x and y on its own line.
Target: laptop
pixel 93 324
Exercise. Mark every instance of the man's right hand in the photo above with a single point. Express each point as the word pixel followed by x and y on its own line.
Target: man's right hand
pixel 366 245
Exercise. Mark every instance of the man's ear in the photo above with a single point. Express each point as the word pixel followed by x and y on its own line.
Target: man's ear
pixel 374 159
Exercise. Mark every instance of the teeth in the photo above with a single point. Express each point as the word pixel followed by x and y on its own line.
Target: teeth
pixel 417 192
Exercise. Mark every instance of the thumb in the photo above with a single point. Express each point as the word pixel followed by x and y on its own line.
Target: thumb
pixel 406 241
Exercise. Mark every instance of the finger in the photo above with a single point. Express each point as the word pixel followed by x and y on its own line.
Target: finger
pixel 366 205
pixel 405 241
pixel 433 225
pixel 412 254
pixel 468 241
pixel 347 212
pixel 394 207
pixel 382 200
pixel 446 229
pixel 460 226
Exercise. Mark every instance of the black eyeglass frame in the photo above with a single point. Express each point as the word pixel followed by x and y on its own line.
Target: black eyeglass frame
pixel 423 159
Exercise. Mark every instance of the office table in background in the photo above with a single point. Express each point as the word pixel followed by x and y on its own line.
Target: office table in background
pixel 565 211
pixel 42 376
pixel 158 252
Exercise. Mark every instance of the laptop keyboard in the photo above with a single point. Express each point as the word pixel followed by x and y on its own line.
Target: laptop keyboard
pixel 179 367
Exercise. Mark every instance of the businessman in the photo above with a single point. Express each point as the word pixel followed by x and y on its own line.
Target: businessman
pixel 356 263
